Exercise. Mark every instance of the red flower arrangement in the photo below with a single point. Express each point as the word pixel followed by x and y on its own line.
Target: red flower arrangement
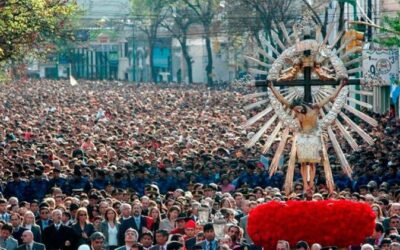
pixel 330 223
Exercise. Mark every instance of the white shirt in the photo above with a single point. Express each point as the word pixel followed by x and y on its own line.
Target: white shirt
pixel 112 235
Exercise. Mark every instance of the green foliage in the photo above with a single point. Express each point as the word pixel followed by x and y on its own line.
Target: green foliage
pixel 391 37
pixel 34 27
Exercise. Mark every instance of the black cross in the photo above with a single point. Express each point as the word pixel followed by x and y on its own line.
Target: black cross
pixel 307 83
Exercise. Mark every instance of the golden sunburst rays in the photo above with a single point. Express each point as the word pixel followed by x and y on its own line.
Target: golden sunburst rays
pixel 274 129
pixel 288 186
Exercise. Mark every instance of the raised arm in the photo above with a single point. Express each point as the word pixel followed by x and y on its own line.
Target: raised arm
pixel 333 96
pixel 278 95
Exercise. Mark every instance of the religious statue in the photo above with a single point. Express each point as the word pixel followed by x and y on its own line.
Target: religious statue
pixel 312 76
pixel 308 141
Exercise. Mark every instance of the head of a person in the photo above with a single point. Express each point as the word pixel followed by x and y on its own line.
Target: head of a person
pixel 190 228
pixel 385 244
pixel 161 237
pixel 136 246
pixel 302 245
pixel 147 239
pixel 394 209
pixel 131 236
pixel 111 215
pixel 377 210
pixel 209 232
pixel 44 213
pixel 367 247
pixel 103 207
pixel 299 106
pixel 15 219
pixel 282 245
pixel 97 241
pixel 394 221
pixel 137 209
pixel 6 231
pixel 3 205
pixel 82 215
pixel 29 218
pixel 56 216
pixel 234 232
pixel 316 246
pixel 174 245
pixel 394 246
pixel 173 212
pixel 27 236
pixel 126 210
pixel 154 213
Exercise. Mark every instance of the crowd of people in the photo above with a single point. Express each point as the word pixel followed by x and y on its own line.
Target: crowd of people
pixel 108 165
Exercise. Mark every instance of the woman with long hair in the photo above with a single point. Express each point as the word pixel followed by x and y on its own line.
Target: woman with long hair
pixel 109 227
pixel 83 228
pixel 169 223
pixel 29 223
pixel 378 213
pixel 155 219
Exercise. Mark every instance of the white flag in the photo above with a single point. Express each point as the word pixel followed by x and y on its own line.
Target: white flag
pixel 72 80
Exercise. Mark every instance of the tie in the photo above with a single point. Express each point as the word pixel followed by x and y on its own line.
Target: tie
pixel 138 224
pixel 210 245
pixel 28 247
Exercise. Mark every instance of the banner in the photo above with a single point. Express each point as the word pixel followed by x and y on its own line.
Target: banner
pixel 384 63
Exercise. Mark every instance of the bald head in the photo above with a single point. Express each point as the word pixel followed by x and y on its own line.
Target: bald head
pixel 27 236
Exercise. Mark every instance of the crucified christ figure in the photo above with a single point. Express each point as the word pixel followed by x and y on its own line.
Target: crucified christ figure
pixel 308 140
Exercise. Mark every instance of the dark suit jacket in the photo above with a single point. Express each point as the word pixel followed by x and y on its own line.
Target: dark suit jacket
pixel 40 224
pixel 157 247
pixel 54 239
pixel 37 234
pixel 35 246
pixel 89 230
pixel 189 243
pixel 121 248
pixel 18 234
pixel 130 223
pixel 203 244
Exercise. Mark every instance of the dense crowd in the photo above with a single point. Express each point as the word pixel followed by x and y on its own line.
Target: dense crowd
pixel 106 164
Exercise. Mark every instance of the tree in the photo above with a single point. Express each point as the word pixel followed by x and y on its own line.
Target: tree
pixel 31 27
pixel 206 11
pixel 391 29
pixel 179 24
pixel 148 15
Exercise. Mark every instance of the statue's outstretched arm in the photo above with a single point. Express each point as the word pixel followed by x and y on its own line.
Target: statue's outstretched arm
pixel 333 97
pixel 278 95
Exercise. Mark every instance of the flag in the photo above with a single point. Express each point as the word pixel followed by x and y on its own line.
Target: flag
pixel 394 92
pixel 265 161
pixel 72 80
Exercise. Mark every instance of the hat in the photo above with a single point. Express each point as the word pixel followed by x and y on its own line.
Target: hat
pixel 190 224
pixel 96 236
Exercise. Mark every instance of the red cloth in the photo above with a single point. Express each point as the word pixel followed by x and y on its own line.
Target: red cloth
pixel 340 223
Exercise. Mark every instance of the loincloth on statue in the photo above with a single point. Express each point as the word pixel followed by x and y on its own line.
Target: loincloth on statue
pixel 309 147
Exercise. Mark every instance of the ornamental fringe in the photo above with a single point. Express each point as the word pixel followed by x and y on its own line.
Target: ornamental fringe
pixel 330 223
